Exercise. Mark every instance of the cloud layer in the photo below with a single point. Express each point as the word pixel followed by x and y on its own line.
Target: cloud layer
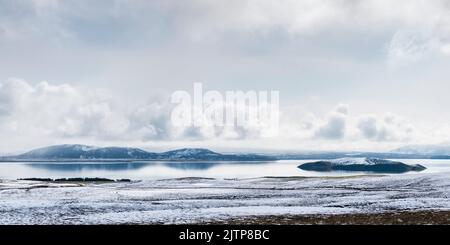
pixel 65 112
pixel 387 60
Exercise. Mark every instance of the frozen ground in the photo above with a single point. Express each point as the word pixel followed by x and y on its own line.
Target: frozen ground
pixel 191 200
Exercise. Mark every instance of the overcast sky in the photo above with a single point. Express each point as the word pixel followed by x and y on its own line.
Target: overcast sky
pixel 352 75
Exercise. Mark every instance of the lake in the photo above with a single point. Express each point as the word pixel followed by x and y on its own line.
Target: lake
pixel 163 170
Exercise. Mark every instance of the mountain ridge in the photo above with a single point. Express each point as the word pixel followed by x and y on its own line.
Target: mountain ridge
pixel 79 152
pixel 443 150
pixel 86 152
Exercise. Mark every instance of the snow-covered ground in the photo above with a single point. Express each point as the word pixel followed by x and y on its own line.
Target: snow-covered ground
pixel 191 200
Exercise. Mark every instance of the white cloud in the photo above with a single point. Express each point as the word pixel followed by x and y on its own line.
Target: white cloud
pixel 205 19
pixel 408 47
pixel 446 48
pixel 368 126
pixel 389 127
pixel 66 111
pixel 63 111
pixel 335 125
pixel 306 16
pixel 335 49
pixel 57 111
pixel 340 125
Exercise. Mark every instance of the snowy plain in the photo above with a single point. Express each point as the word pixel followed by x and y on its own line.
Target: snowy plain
pixel 193 200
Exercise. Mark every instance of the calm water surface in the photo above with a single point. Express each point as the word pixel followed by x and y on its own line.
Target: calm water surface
pixel 162 170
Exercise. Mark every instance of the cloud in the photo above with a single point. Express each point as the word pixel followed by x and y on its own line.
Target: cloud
pixel 64 111
pixel 57 111
pixel 339 49
pixel 204 20
pixel 11 94
pixel 418 39
pixel 202 17
pixel 368 126
pixel 389 127
pixel 409 47
pixel 335 124
pixel 339 124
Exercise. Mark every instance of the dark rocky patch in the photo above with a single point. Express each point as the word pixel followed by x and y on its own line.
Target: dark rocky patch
pixel 76 180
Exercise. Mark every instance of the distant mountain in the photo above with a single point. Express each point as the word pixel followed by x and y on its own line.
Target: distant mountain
pixel 383 155
pixel 84 152
pixel 189 154
pixel 205 154
pixel 435 150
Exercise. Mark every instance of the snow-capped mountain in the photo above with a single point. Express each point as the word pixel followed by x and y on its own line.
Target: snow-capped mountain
pixel 86 152
pixel 205 154
pixel 443 150
pixel 78 152
pixel 361 164
pixel 189 153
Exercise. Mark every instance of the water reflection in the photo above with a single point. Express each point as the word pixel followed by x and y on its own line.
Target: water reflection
pixel 121 166
pixel 77 167
pixel 164 170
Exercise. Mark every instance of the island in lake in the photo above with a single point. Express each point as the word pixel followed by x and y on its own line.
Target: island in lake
pixel 375 165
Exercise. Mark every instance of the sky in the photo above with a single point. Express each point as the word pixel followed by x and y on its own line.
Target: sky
pixel 352 74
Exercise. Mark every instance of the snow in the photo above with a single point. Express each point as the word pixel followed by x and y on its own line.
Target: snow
pixel 86 148
pixel 359 161
pixel 190 152
pixel 351 161
pixel 190 200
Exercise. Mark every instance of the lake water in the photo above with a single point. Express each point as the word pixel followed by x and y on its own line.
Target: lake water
pixel 163 170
